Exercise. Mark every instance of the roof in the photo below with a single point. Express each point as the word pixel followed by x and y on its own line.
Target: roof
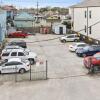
pixel 9 8
pixel 24 16
pixel 87 3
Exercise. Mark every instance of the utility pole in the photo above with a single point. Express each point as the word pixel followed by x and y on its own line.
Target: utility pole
pixel 37 11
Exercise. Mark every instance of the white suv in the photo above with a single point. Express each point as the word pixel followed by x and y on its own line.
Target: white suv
pixel 31 56
pixel 71 37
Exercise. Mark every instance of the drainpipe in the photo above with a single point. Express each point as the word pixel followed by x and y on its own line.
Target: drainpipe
pixel 87 21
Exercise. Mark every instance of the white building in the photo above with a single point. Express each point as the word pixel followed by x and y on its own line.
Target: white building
pixel 86 18
pixel 59 29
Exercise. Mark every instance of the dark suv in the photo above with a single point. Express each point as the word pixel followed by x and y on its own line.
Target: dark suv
pixel 20 43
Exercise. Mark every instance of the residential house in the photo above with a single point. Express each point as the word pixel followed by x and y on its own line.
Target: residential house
pixel 2 25
pixel 86 18
pixel 24 20
pixel 11 11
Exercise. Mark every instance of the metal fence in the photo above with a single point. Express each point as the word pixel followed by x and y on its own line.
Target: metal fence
pixel 36 72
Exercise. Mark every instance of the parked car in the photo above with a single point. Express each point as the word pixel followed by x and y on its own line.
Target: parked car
pixel 88 50
pixel 20 43
pixel 76 46
pixel 93 60
pixel 14 65
pixel 71 37
pixel 17 34
pixel 92 63
pixel 9 48
pixel 31 56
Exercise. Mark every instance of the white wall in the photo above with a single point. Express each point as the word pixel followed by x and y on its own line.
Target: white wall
pixel 56 29
pixel 80 21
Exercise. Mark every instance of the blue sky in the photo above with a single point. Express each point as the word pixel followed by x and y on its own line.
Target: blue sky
pixel 42 3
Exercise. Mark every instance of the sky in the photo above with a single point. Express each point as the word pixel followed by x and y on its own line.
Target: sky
pixel 42 3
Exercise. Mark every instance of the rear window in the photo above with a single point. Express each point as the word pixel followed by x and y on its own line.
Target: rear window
pixel 5 54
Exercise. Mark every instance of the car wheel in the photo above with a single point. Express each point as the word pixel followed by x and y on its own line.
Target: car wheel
pixel 91 70
pixel 22 70
pixel 31 61
pixel 75 40
pixel 64 41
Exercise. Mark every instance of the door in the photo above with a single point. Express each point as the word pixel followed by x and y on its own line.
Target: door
pixel 21 55
pixel 13 54
pixel 61 30
pixel 70 38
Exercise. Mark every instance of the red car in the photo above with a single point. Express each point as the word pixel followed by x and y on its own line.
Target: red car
pixel 92 61
pixel 18 34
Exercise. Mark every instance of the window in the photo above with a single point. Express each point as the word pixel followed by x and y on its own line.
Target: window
pixel 13 63
pixel 5 54
pixel 20 54
pixel 14 54
pixel 90 28
pixel 85 14
pixel 89 14
pixel 71 36
pixel 9 64
pixel 85 28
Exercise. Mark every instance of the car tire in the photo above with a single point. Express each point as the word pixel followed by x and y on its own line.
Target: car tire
pixel 31 61
pixel 75 40
pixel 64 41
pixel 91 70
pixel 22 71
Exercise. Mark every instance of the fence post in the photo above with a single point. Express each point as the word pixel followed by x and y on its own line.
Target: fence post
pixel 46 69
pixel 30 72
pixel 15 73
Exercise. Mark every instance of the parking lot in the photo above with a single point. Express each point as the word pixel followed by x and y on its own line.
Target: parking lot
pixel 61 62
pixel 67 77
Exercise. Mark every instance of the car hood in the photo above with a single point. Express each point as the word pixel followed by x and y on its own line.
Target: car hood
pixel 32 54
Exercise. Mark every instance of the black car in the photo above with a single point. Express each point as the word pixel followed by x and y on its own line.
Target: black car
pixel 20 43
pixel 88 50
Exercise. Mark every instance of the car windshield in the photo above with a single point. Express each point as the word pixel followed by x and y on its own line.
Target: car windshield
pixel 86 48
